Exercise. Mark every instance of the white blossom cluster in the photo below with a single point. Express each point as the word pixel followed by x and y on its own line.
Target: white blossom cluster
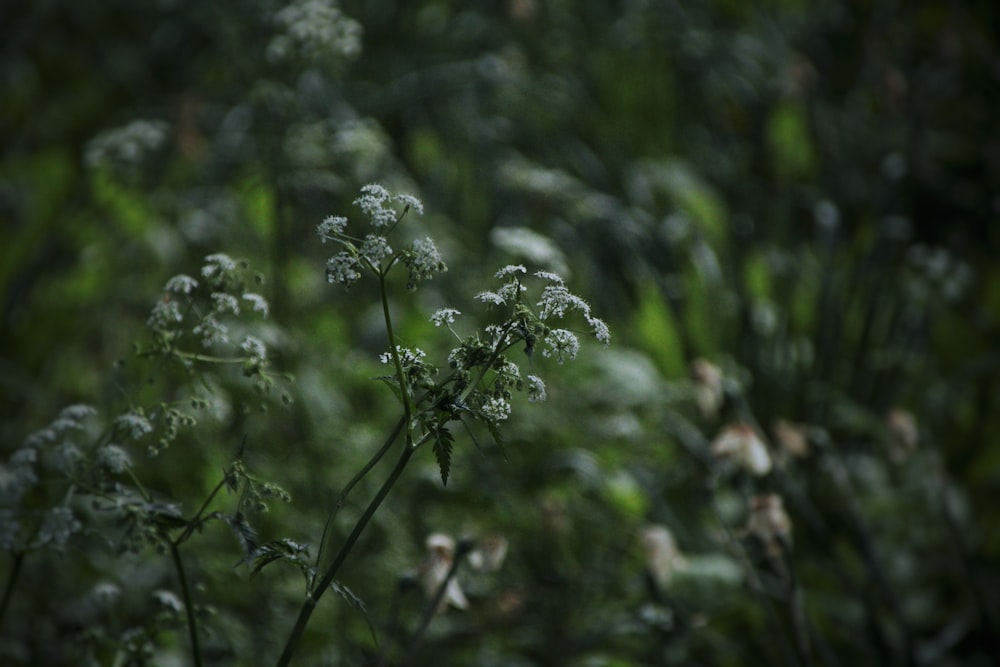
pixel 314 30
pixel 484 377
pixel 556 301
pixel 134 423
pixel 444 316
pixel 127 146
pixel 374 253
pixel 407 357
pixel 210 303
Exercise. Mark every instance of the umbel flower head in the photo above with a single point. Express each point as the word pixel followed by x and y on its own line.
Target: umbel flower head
pixel 373 254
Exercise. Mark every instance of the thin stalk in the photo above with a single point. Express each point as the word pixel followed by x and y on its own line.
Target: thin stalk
pixel 342 498
pixel 431 610
pixel 188 604
pixel 404 390
pixel 796 608
pixel 196 519
pixel 864 543
pixel 756 585
pixel 8 589
pixel 313 598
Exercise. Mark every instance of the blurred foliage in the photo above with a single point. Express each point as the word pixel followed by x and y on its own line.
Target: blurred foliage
pixel 787 212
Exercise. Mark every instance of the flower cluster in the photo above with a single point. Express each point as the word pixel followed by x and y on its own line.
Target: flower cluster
pixel 373 253
pixel 555 302
pixel 483 377
pixel 126 147
pixel 314 30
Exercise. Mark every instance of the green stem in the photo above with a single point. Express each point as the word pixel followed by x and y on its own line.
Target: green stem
pixel 188 604
pixel 431 610
pixel 404 389
pixel 342 498
pixel 755 585
pixel 313 598
pixel 8 588
pixel 194 356
pixel 196 519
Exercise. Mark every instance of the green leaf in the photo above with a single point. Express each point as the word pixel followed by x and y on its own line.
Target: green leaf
pixel 443 442
pixel 393 383
pixel 245 535
pixel 283 549
pixel 497 437
pixel 356 602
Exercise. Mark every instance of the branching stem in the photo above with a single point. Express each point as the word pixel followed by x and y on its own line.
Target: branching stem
pixel 188 604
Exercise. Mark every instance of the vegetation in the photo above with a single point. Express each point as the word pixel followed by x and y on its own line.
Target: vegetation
pixel 597 334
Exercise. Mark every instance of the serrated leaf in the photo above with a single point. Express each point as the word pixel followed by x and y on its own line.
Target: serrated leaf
pixel 393 384
pixel 497 437
pixel 162 515
pixel 283 549
pixel 443 442
pixel 245 535
pixel 356 602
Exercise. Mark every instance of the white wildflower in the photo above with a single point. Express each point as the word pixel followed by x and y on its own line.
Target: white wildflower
pixel 77 412
pixel 423 261
pixel 212 331
pixel 491 297
pixel 113 458
pixel 444 316
pixel 343 269
pixel 372 201
pixel 550 276
pixel 601 331
pixel 496 409
pixel 135 423
pixel 217 265
pixel 411 202
pixel 168 600
pixel 164 314
pixel 58 525
pixel 510 270
pixel 128 145
pixel 331 226
pixel 556 301
pixel 258 303
pixel 375 249
pixel 407 357
pixel 561 343
pixel 315 29
pixel 181 284
pixel 64 457
pixel 536 389
pixel 105 593
pixel 254 347
pixel 226 303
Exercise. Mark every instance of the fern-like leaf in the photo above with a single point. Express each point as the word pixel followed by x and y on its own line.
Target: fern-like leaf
pixel 356 602
pixel 443 442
